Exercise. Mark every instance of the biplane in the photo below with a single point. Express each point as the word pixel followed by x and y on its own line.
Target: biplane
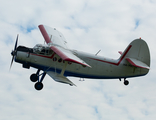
pixel 60 62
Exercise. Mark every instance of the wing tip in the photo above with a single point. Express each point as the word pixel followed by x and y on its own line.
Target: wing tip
pixel 40 25
pixel 44 33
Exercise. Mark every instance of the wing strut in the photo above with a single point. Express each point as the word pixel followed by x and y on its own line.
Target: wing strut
pixel 64 67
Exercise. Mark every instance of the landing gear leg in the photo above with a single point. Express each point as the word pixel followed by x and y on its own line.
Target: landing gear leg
pixel 39 84
pixel 126 82
pixel 35 77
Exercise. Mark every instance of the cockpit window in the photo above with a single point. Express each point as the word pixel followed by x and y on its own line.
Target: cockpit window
pixel 43 50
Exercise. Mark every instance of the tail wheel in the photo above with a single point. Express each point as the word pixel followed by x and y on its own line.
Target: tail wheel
pixel 126 82
pixel 38 86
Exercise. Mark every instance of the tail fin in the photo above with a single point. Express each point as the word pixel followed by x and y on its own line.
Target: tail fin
pixel 137 54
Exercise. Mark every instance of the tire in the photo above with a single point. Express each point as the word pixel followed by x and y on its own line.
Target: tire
pixel 38 86
pixel 126 82
pixel 33 77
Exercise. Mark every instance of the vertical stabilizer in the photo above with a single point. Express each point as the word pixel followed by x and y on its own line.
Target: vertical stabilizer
pixel 138 54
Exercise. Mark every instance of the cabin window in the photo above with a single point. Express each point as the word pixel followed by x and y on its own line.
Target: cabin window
pixel 60 60
pixel 54 59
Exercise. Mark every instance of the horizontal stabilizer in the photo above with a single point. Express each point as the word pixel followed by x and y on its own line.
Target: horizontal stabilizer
pixel 137 63
pixel 60 78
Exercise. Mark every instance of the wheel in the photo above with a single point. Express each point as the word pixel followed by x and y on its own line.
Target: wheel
pixel 38 86
pixel 126 82
pixel 34 77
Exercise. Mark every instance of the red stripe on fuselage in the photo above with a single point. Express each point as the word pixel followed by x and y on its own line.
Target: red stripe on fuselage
pixel 118 61
pixel 51 57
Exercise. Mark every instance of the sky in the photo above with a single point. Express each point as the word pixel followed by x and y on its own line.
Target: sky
pixel 89 26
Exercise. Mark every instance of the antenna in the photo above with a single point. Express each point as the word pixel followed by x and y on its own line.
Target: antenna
pixel 50 37
pixel 97 52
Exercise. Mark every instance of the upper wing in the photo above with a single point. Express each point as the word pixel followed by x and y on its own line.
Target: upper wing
pixel 57 43
pixel 52 36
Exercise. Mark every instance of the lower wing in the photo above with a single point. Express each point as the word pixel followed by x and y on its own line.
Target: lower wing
pixel 60 78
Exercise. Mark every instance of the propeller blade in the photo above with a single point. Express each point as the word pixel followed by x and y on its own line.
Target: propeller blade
pixel 13 53
pixel 16 43
pixel 12 61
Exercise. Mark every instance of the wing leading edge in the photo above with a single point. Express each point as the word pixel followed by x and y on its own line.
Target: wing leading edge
pixel 57 43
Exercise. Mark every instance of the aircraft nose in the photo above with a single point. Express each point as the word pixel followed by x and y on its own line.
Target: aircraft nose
pixel 12 53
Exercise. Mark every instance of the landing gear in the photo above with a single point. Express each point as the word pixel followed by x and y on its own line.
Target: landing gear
pixel 126 82
pixel 35 77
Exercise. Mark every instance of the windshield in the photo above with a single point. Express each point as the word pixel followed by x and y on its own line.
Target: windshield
pixel 41 49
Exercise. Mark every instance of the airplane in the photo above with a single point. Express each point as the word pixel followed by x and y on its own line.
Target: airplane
pixel 60 62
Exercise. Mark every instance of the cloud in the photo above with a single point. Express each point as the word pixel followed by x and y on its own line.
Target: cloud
pixel 136 24
pixel 88 26
pixel 28 29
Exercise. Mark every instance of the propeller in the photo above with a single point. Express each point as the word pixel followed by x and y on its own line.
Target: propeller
pixel 13 53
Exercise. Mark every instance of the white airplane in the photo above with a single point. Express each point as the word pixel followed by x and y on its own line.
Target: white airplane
pixel 58 61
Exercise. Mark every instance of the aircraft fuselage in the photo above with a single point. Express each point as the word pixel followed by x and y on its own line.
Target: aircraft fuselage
pixel 101 68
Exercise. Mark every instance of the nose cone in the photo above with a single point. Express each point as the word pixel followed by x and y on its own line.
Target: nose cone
pixel 12 53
